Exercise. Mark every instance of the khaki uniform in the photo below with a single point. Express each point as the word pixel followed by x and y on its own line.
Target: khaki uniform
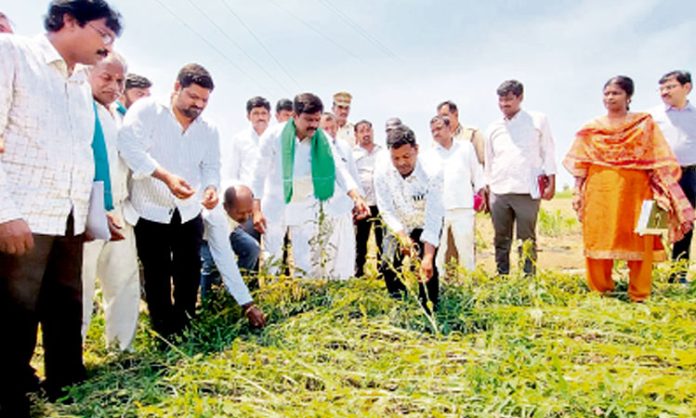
pixel 477 138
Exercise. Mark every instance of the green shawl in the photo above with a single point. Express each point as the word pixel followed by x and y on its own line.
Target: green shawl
pixel 323 166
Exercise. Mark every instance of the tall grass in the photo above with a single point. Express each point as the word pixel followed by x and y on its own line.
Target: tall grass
pixel 522 347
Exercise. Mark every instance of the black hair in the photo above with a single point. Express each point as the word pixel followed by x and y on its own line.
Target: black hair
pixel 135 81
pixel 257 101
pixel 450 105
pixel 400 136
pixel 682 77
pixel 307 103
pixel 510 86
pixel 625 83
pixel 283 104
pixel 362 122
pixel 195 74
pixel 83 11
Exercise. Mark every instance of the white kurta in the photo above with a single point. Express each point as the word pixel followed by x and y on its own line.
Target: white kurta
pixel 115 263
pixel 301 216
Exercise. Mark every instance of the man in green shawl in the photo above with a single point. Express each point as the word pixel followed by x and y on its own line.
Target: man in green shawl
pixel 296 172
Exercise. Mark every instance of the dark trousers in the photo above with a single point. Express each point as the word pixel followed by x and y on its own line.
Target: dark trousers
pixel 170 253
pixel 429 291
pixel 362 235
pixel 43 287
pixel 506 211
pixel 682 248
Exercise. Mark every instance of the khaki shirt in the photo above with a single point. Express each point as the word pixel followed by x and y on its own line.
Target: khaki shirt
pixel 477 138
pixel 347 133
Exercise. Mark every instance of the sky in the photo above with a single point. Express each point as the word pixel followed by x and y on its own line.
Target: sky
pixel 403 57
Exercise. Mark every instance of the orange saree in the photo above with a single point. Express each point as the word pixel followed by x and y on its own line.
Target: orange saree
pixel 621 166
pixel 643 167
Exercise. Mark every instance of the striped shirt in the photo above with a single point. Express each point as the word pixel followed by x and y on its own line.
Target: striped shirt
pixel 47 125
pixel 151 137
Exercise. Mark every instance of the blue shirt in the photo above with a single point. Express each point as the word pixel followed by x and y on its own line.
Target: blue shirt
pixel 679 128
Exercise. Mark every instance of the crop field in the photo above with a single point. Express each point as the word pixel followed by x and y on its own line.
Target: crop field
pixel 497 347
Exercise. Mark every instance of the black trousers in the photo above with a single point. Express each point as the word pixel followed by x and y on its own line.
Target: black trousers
pixel 429 291
pixel 170 254
pixel 681 250
pixel 362 235
pixel 43 287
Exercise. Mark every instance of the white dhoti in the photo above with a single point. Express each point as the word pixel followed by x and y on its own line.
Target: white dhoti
pixel 341 248
pixel 116 265
pixel 460 222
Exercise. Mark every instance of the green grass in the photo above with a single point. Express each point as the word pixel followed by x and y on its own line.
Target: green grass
pixel 498 348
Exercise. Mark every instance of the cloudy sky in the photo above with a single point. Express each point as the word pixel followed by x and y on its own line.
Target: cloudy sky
pixel 402 57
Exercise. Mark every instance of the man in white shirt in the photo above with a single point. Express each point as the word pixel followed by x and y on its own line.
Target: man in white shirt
pixel 296 174
pixel 410 202
pixel 460 132
pixel 237 165
pixel 46 172
pixel 341 108
pixel 115 262
pixel 463 177
pixel 519 170
pixel 5 25
pixel 175 158
pixel 339 210
pixel 224 234
pixel 365 154
pixel 677 121
pixel 237 162
pixel 283 110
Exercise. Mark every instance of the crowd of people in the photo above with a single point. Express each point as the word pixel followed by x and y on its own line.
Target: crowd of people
pixel 100 181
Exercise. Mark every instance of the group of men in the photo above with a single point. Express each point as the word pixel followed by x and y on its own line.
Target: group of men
pixel 96 176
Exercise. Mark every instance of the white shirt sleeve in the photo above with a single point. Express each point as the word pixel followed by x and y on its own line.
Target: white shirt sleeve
pixel 218 231
pixel 231 164
pixel 434 211
pixel 8 209
pixel 266 156
pixel 210 166
pixel 344 179
pixel 134 139
pixel 488 157
pixel 547 147
pixel 476 170
pixel 385 204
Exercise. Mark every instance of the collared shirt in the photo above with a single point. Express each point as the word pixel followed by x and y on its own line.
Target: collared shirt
pixel 365 162
pixel 413 202
pixel 217 233
pixel 238 158
pixel 518 150
pixel 475 136
pixel 268 180
pixel 679 128
pixel 47 125
pixel 462 174
pixel 111 122
pixel 346 133
pixel 151 137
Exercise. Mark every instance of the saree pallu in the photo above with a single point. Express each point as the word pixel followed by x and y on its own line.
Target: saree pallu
pixel 636 145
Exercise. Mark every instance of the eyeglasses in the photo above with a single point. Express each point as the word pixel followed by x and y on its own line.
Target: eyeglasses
pixel 669 87
pixel 107 38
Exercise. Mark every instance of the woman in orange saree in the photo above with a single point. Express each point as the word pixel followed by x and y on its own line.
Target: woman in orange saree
pixel 618 161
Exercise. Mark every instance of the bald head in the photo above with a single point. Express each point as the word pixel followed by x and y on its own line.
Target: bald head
pixel 108 79
pixel 5 25
pixel 238 202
